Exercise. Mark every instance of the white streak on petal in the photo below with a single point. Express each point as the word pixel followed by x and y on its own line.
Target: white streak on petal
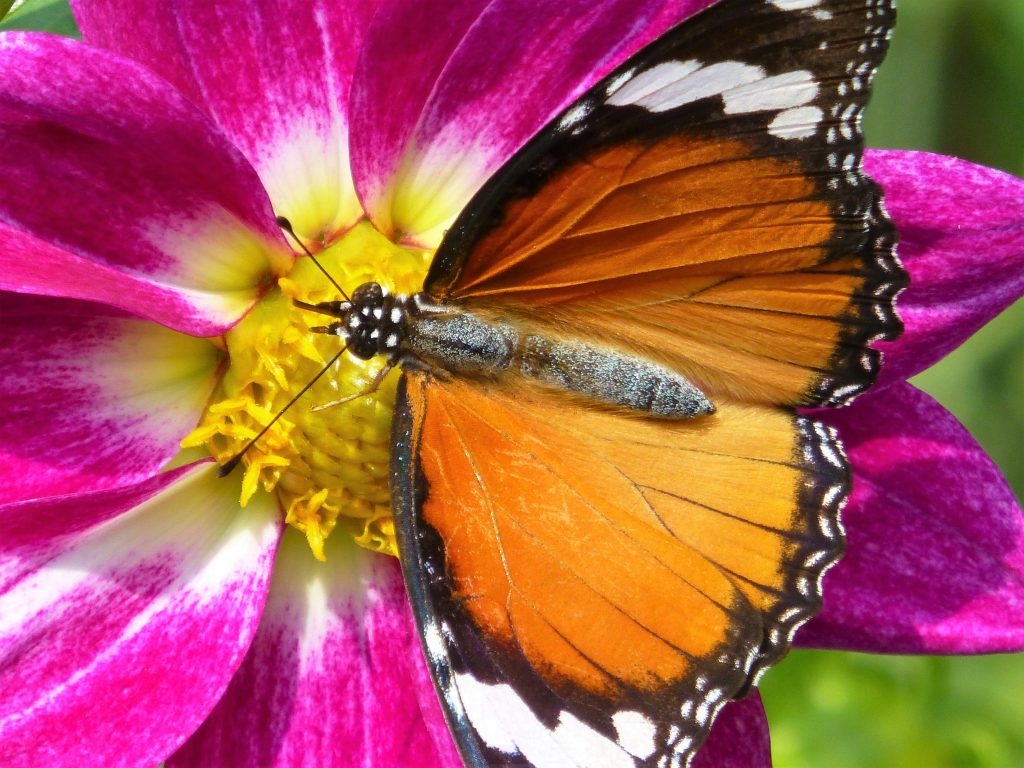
pixel 430 188
pixel 306 172
pixel 152 592
pixel 220 261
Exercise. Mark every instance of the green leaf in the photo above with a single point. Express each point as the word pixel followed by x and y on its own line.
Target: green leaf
pixel 41 16
pixel 5 6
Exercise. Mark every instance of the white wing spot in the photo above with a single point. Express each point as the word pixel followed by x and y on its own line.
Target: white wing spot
pixel 574 116
pixel 790 89
pixel 744 88
pixel 587 746
pixel 483 703
pixel 795 5
pixel 796 123
pixel 636 733
pixel 655 88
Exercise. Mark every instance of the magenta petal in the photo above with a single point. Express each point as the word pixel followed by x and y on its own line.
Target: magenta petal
pixel 274 75
pixel 935 559
pixel 92 398
pixel 118 189
pixel 739 738
pixel 123 615
pixel 333 677
pixel 484 78
pixel 962 240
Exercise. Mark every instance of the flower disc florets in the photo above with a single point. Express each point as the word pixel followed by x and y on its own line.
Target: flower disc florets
pixel 329 468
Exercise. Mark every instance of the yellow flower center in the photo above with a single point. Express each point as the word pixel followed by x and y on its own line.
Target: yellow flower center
pixel 329 468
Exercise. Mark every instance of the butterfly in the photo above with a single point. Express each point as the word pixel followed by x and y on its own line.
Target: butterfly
pixel 610 514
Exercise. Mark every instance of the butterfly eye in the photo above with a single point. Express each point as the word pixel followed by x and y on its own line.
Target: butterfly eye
pixel 368 295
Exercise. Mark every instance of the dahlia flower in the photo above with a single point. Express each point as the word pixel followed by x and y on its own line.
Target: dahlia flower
pixel 152 612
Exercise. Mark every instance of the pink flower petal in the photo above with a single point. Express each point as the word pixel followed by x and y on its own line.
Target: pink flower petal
pixel 124 613
pixel 117 189
pixel 962 240
pixel 935 558
pixel 93 398
pixel 274 75
pixel 331 679
pixel 433 115
pixel 739 738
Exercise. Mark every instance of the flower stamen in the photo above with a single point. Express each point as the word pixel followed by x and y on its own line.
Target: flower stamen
pixel 328 468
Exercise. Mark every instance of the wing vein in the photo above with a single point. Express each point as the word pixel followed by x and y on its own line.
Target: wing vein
pixel 610 522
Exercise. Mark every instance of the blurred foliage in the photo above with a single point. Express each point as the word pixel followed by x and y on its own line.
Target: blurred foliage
pixel 860 711
pixel 952 84
pixel 41 15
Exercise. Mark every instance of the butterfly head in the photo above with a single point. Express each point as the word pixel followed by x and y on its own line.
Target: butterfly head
pixel 372 322
pixel 376 323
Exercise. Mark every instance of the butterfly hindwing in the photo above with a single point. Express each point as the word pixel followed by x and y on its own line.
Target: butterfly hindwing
pixel 593 588
pixel 705 205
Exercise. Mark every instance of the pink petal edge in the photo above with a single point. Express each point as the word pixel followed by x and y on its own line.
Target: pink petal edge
pixel 118 190
pixel 95 398
pixel 334 676
pixel 739 737
pixel 961 232
pixel 135 604
pixel 935 555
pixel 283 103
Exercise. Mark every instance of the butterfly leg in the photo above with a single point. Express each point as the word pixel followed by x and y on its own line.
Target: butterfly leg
pixel 374 386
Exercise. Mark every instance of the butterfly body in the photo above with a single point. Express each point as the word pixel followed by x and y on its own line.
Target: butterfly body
pixel 415 333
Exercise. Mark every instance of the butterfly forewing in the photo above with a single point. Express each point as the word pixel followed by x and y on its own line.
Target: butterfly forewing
pixel 710 192
pixel 592 587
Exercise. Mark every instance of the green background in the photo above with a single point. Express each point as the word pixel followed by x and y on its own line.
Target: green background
pixel 952 84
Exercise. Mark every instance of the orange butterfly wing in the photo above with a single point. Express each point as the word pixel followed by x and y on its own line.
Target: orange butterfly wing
pixel 640 569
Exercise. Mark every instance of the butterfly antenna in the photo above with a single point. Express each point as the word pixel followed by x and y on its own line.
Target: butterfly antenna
pixel 228 467
pixel 286 225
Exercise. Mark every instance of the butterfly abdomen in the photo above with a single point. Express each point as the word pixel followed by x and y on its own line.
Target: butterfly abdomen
pixel 611 376
pixel 461 343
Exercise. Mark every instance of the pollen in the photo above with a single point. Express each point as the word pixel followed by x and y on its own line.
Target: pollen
pixel 328 468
